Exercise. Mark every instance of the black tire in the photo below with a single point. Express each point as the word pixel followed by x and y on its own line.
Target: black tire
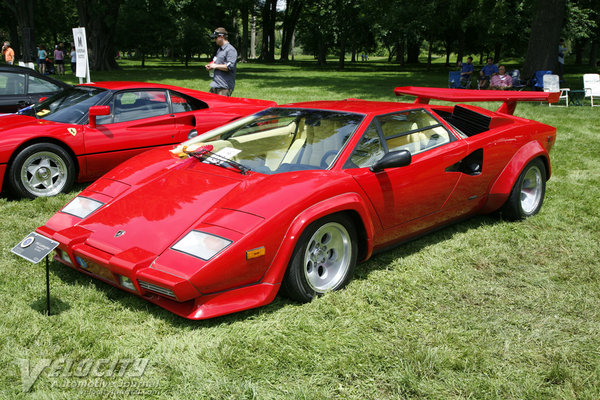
pixel 527 195
pixel 317 264
pixel 41 170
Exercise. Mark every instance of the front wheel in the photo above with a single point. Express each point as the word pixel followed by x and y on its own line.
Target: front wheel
pixel 323 260
pixel 41 170
pixel 528 193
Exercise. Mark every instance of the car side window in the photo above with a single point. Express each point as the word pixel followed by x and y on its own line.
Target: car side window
pixel 11 84
pixel 414 130
pixel 182 103
pixel 369 149
pixel 139 104
pixel 37 85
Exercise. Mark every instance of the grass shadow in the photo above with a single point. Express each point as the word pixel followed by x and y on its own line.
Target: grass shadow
pixel 57 306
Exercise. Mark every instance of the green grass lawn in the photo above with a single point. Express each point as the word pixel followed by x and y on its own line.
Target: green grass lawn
pixel 482 309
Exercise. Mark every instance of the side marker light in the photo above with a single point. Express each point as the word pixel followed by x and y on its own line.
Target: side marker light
pixel 255 253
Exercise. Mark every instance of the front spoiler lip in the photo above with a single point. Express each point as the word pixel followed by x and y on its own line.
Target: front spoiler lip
pixel 203 306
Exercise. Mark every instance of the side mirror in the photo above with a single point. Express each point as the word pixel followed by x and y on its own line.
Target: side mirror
pixel 95 111
pixel 395 159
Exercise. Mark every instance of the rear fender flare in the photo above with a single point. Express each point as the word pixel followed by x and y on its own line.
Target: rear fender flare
pixel 350 203
pixel 500 189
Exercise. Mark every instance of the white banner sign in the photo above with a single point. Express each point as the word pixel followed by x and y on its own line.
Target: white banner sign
pixel 81 50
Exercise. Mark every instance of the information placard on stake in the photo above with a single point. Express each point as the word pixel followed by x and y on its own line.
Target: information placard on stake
pixel 82 69
pixel 34 248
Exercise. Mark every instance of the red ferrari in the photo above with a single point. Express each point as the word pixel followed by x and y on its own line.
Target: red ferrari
pixel 84 131
pixel 295 195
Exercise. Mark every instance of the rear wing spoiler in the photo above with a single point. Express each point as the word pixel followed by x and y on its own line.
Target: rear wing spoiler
pixel 509 98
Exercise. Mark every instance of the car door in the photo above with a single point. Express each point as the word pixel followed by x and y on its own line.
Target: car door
pixel 12 91
pixel 187 119
pixel 409 196
pixel 140 120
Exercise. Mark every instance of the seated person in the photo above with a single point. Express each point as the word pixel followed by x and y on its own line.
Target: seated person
pixel 466 71
pixel 489 69
pixel 501 81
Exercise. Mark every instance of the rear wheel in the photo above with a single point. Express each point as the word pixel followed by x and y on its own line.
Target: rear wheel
pixel 323 259
pixel 41 170
pixel 528 193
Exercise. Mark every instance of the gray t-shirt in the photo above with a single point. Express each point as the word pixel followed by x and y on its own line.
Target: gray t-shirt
pixel 227 55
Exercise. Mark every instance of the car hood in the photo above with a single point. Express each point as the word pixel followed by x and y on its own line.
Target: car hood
pixel 145 217
pixel 15 122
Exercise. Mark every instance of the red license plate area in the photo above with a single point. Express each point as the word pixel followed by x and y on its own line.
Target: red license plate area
pixel 99 270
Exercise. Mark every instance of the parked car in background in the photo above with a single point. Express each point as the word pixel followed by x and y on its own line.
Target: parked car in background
pixel 295 195
pixel 85 130
pixel 21 87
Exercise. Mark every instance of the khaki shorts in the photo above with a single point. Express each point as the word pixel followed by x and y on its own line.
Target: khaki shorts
pixel 221 91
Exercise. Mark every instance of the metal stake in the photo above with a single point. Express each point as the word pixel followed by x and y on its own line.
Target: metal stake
pixel 47 285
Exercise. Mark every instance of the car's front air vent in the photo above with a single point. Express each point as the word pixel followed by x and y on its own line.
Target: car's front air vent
pixel 157 289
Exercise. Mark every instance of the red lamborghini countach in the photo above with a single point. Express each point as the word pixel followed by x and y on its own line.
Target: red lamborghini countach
pixel 295 195
pixel 84 131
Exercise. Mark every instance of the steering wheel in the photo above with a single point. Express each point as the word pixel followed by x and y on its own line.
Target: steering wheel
pixel 324 160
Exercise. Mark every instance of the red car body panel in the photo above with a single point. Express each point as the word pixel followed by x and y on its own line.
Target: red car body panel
pixel 155 199
pixel 96 150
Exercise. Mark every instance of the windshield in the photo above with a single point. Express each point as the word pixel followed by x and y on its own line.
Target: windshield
pixel 281 139
pixel 70 106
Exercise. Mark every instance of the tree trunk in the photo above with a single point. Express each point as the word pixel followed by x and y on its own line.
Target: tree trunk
pixel 290 19
pixel 546 27
pixel 579 46
pixel 100 20
pixel 429 54
pixel 342 58
pixel 266 30
pixel 593 53
pixel 253 37
pixel 24 11
pixel 272 30
pixel 400 49
pixel 413 49
pixel 498 51
pixel 293 45
pixel 244 43
pixel 322 56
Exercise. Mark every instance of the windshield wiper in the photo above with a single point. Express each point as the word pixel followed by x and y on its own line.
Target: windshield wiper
pixel 205 155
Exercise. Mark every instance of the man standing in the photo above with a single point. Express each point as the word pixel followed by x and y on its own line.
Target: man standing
pixel 9 53
pixel 223 64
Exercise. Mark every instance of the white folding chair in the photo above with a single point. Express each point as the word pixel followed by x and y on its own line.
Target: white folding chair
pixel 591 87
pixel 551 84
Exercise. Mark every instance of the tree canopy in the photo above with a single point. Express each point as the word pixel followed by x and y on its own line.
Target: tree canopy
pixel 272 29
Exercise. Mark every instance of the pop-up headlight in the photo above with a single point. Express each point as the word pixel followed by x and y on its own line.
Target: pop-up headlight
pixel 82 206
pixel 201 245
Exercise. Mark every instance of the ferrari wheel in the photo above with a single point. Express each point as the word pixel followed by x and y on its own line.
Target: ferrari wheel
pixel 41 170
pixel 527 195
pixel 323 259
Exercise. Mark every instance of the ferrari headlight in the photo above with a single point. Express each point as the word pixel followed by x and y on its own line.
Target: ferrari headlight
pixel 82 206
pixel 201 245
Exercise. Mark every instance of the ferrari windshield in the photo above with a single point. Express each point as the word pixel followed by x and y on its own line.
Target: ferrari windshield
pixel 280 139
pixel 69 106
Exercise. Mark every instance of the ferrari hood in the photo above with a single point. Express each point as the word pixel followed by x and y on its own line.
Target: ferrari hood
pixel 16 121
pixel 145 219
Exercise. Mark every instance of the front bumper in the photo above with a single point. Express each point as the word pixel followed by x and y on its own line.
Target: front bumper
pixel 173 293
